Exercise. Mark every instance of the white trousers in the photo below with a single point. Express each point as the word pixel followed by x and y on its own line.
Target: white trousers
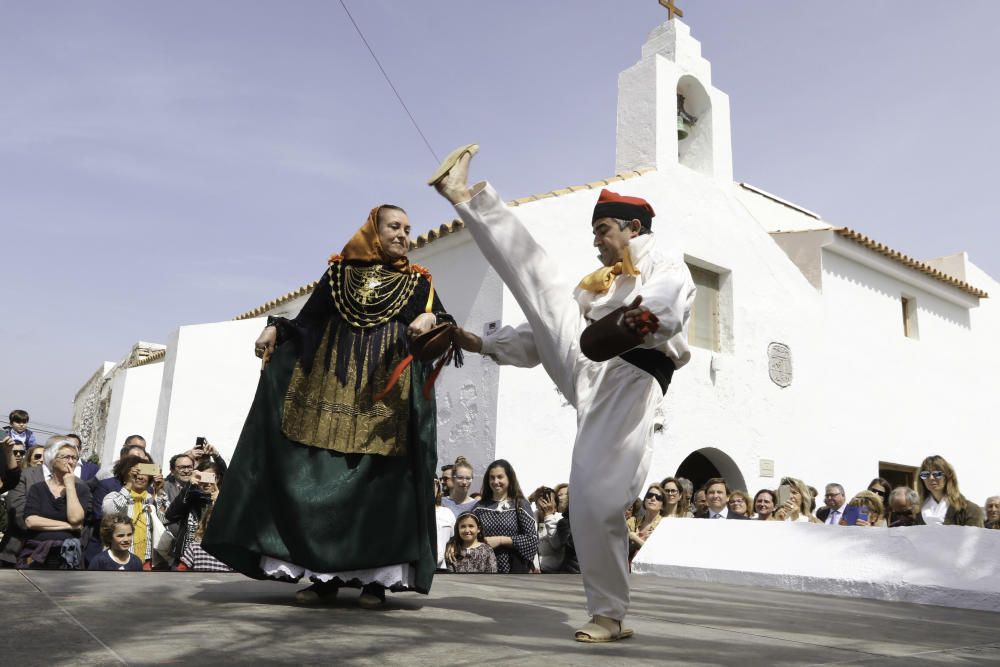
pixel 614 400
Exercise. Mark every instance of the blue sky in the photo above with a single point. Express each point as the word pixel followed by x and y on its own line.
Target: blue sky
pixel 173 163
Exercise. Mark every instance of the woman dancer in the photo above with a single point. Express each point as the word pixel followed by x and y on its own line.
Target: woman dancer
pixel 341 437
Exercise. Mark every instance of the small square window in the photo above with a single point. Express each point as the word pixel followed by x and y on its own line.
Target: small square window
pixel 703 326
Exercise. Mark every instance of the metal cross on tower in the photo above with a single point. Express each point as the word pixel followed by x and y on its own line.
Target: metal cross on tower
pixel 671 9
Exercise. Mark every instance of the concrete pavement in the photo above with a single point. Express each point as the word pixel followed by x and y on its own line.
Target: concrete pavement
pixel 81 618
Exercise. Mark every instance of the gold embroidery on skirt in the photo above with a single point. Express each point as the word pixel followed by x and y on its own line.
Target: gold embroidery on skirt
pixel 319 411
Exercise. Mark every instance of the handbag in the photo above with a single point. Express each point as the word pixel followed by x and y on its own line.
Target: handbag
pixel 163 539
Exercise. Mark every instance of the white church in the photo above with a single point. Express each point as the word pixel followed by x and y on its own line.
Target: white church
pixel 818 353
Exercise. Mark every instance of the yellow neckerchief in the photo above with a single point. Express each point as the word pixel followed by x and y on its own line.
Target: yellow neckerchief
pixel 139 523
pixel 601 279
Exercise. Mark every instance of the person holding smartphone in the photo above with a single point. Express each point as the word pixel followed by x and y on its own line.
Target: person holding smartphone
pixel 864 509
pixel 793 502
pixel 143 499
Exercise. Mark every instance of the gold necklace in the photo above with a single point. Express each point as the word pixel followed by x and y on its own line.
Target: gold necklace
pixel 367 296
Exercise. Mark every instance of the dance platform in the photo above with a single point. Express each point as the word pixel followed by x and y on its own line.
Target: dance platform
pixel 97 618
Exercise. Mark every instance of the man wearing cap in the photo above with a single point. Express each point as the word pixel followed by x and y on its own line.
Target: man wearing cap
pixel 616 400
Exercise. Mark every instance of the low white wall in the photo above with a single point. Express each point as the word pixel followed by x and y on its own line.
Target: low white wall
pixel 951 566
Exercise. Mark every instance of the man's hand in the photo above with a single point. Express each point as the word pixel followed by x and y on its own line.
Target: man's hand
pixel 423 323
pixel 469 342
pixel 640 319
pixel 263 347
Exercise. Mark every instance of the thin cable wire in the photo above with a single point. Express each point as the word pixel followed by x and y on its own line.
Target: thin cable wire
pixel 389 81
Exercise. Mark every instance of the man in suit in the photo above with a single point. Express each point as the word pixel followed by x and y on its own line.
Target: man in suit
pixel 835 502
pixel 717 497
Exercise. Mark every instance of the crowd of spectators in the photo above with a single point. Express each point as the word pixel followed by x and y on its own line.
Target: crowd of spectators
pixel 59 512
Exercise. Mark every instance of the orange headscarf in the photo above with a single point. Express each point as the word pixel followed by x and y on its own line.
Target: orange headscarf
pixel 364 245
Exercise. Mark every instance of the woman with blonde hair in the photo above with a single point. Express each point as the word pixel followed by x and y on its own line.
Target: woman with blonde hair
pixel 675 503
pixel 872 502
pixel 796 508
pixel 644 522
pixel 941 503
pixel 458 499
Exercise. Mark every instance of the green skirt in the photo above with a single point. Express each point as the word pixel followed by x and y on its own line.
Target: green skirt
pixel 323 510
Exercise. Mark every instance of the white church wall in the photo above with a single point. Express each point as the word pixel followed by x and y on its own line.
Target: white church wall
pixel 135 397
pixel 466 397
pixel 210 376
pixel 900 399
pixel 722 400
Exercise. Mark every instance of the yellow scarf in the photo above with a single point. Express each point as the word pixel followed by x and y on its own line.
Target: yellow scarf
pixel 601 279
pixel 139 523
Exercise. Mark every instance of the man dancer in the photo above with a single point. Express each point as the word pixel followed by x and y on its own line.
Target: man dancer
pixel 615 400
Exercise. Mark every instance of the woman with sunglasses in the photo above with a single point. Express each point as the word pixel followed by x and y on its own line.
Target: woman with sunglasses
pixel 642 525
pixel 35 456
pixel 11 462
pixel 881 488
pixel 675 503
pixel 941 503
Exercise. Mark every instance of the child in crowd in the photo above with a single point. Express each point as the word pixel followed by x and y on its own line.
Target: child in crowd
pixel 19 428
pixel 472 555
pixel 116 536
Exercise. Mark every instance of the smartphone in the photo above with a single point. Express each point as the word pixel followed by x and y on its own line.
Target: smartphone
pixel 784 493
pixel 852 513
pixel 199 442
pixel 150 469
pixel 206 477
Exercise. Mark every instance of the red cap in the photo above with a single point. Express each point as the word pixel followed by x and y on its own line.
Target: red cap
pixel 613 205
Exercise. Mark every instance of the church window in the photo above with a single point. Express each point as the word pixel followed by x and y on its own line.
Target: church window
pixel 703 327
pixel 910 317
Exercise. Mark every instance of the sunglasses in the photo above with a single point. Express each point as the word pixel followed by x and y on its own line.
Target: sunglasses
pixel 19 452
pixel 936 474
pixel 654 496
pixel 884 494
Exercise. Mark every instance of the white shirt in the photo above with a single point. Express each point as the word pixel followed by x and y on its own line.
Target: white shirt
pixel 833 518
pixel 445 529
pixel 666 287
pixel 933 511
pixel 722 515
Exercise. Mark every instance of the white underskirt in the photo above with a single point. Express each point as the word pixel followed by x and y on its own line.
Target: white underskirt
pixel 389 576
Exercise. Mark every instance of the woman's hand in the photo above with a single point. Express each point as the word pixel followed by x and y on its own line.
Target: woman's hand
pixel 449 553
pixel 157 484
pixel 498 541
pixel 635 539
pixel 264 345
pixel 423 323
pixel 547 505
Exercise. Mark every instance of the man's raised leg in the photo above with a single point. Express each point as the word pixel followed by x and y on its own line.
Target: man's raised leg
pixel 527 271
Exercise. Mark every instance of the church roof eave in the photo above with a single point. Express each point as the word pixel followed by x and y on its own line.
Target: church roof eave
pixel 457 225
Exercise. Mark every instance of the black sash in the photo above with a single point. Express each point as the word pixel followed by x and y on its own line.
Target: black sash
pixel 657 364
